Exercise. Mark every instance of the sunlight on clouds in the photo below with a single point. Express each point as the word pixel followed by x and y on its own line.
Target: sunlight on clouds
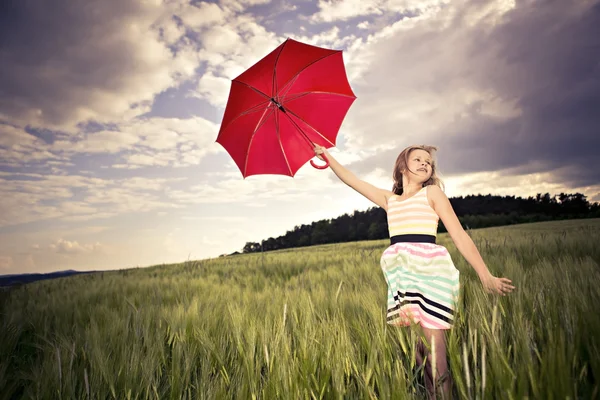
pixel 11 136
pixel 156 184
pixel 88 217
pixel 160 139
pixel 490 13
pixel 149 141
pixel 170 30
pixel 254 2
pixel 73 247
pixel 333 10
pixel 214 89
pixel 202 15
pixel 329 39
pixel 221 39
pixel 263 187
pixel 159 159
pixel 240 5
pixel 51 196
pixel 229 49
pixel 98 142
pixel 18 147
pixel 180 142
pixel 499 183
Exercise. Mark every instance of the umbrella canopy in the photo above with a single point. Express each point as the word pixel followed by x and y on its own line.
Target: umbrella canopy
pixel 293 98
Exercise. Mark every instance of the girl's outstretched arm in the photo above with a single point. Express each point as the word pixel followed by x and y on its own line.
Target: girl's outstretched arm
pixel 375 194
pixel 464 243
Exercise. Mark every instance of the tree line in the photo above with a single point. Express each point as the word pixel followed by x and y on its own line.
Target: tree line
pixel 473 211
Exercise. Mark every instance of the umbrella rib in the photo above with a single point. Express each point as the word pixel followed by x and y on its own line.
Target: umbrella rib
pixel 307 124
pixel 262 120
pixel 258 107
pixel 275 70
pixel 253 88
pixel 298 95
pixel 249 111
pixel 281 143
pixel 308 65
pixel 260 123
pixel 289 87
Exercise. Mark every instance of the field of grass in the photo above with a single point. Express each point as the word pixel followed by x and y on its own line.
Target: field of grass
pixel 308 323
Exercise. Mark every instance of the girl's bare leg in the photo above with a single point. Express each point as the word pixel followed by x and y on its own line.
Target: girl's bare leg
pixel 421 353
pixel 443 378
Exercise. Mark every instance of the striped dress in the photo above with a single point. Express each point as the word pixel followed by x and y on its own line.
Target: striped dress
pixel 423 282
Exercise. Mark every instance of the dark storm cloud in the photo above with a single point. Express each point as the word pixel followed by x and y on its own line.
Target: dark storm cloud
pixel 58 56
pixel 544 56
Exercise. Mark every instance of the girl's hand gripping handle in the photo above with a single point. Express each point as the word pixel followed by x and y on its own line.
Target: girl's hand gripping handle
pixel 320 152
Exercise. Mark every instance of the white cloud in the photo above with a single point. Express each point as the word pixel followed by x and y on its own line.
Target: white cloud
pixel 171 31
pixel 202 15
pixel 18 147
pixel 333 10
pixel 73 247
pixel 342 10
pixel 254 2
pixel 33 197
pixel 98 142
pixel 307 184
pixel 160 159
pixel 147 142
pixel 221 39
pixel 214 89
pixel 11 136
pixel 229 50
pixel 171 141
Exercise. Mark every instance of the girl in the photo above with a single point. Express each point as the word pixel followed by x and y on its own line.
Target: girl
pixel 422 280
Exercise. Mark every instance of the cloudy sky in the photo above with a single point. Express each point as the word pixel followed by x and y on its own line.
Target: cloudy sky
pixel 109 112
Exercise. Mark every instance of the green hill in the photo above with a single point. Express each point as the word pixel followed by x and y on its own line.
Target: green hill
pixel 308 323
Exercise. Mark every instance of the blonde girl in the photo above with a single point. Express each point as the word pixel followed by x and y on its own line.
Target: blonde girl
pixel 423 282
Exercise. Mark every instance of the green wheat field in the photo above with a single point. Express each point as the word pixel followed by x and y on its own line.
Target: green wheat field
pixel 309 324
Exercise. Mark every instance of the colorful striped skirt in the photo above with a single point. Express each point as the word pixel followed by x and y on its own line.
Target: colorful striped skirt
pixel 423 285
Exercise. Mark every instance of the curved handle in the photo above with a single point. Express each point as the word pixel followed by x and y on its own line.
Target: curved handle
pixel 320 166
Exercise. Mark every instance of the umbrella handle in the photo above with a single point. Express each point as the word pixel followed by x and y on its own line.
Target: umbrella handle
pixel 320 166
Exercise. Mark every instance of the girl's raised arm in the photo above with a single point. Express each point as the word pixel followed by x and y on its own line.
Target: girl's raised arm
pixel 464 243
pixel 375 194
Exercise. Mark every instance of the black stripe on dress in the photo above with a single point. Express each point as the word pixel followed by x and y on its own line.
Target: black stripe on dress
pixel 432 303
pixel 422 306
pixel 428 311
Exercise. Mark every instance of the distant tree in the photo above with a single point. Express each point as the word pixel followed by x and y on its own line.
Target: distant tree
pixel 251 247
pixel 377 230
pixel 319 234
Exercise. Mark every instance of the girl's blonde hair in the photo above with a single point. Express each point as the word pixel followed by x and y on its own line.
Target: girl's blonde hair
pixel 402 165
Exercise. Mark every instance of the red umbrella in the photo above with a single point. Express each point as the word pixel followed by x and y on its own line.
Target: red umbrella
pixel 294 97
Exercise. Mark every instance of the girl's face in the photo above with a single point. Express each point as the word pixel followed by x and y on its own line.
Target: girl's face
pixel 419 164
